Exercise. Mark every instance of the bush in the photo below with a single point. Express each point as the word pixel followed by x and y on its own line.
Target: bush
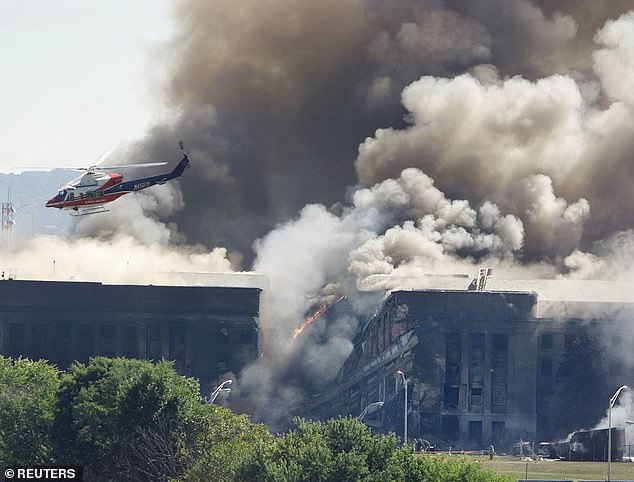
pixel 28 391
pixel 343 449
pixel 230 441
pixel 122 418
pixel 134 420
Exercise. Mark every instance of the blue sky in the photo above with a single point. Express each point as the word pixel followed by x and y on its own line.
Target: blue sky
pixel 77 77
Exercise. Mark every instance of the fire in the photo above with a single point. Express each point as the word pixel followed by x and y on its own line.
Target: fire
pixel 316 315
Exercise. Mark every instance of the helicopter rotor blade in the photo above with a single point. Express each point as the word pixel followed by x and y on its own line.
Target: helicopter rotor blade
pixel 90 168
pixel 129 166
pixel 109 151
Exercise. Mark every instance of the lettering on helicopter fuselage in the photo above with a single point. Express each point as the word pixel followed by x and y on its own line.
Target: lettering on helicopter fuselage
pixel 141 185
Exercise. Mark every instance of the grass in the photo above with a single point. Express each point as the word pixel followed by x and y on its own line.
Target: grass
pixel 557 469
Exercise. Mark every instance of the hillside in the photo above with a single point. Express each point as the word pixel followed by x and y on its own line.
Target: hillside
pixel 29 192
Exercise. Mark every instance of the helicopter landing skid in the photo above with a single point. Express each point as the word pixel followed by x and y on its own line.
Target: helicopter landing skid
pixel 87 211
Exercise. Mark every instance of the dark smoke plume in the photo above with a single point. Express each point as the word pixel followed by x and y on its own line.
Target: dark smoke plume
pixel 273 97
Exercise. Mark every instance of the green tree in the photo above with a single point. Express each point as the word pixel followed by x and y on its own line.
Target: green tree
pixel 300 455
pixel 344 450
pixel 358 454
pixel 122 418
pixel 229 441
pixel 405 466
pixel 28 391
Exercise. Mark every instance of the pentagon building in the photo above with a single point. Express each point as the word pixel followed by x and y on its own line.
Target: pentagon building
pixel 483 367
pixel 205 331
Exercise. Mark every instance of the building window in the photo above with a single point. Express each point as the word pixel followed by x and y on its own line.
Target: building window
pixel 154 346
pixel 475 432
pixel 130 341
pixel 476 370
pixel 450 427
pixel 497 432
pixel 476 359
pixel 453 360
pixel 476 396
pixel 452 397
pixel 85 343
pixel 177 347
pixel 39 341
pixel 62 346
pixel 499 371
pixel 108 340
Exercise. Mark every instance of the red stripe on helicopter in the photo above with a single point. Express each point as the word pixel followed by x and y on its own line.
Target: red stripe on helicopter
pixel 113 181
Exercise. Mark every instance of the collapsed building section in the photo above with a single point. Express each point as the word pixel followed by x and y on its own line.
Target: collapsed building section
pixel 482 368
pixel 587 446
pixel 206 331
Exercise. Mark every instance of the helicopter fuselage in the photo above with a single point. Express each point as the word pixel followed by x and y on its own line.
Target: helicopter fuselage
pixel 97 187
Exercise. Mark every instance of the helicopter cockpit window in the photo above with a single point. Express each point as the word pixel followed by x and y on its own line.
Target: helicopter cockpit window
pixel 60 193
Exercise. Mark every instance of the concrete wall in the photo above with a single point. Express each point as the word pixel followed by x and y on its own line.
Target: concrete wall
pixel 206 331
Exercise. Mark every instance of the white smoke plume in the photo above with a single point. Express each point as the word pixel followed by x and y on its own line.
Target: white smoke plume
pixel 622 412
pixel 137 217
pixel 120 261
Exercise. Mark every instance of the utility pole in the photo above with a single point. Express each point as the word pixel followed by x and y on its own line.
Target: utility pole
pixel 405 408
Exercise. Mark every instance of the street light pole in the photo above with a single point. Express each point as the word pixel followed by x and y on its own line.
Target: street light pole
pixel 405 414
pixel 612 402
pixel 220 388
pixel 365 410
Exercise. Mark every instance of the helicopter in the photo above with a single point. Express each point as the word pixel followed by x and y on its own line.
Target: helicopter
pixel 101 185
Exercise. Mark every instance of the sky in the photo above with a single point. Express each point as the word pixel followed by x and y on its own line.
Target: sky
pixel 77 77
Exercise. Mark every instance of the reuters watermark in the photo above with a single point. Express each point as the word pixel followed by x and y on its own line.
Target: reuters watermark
pixel 44 473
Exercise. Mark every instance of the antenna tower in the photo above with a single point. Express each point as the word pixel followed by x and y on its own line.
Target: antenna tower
pixel 7 219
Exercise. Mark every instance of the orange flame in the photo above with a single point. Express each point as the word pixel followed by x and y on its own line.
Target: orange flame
pixel 317 314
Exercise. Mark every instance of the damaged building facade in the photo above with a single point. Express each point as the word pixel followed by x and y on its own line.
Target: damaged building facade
pixel 482 368
pixel 206 331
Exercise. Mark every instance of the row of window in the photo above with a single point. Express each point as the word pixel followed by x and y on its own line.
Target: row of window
pixel 546 341
pixel 85 195
pixel 476 363
pixel 64 343
pixel 451 430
